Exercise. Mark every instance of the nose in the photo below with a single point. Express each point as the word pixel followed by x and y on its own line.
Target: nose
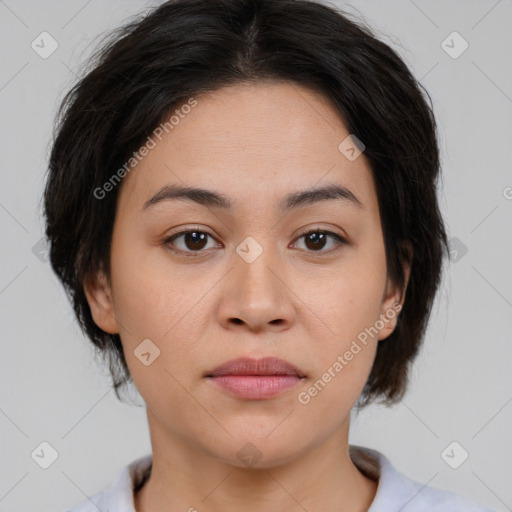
pixel 257 295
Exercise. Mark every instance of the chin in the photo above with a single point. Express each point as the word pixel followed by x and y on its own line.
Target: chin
pixel 256 449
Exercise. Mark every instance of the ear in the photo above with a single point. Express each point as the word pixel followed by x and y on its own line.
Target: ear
pixel 393 298
pixel 99 296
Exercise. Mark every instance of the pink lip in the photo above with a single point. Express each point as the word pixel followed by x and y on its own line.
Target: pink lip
pixel 256 379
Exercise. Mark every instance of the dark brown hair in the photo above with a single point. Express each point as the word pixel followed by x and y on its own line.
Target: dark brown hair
pixel 185 47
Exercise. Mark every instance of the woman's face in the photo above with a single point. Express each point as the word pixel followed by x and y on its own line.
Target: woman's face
pixel 248 283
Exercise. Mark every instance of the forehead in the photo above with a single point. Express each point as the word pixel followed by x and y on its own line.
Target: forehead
pixel 251 140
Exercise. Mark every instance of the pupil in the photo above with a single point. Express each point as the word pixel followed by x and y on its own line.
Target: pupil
pixel 196 244
pixel 320 237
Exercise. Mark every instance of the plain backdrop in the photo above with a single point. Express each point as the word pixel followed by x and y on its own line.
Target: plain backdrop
pixel 52 389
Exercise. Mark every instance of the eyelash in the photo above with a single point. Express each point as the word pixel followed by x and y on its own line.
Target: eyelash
pixel 339 240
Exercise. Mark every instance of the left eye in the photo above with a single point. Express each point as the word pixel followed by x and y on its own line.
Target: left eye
pixel 195 240
pixel 317 239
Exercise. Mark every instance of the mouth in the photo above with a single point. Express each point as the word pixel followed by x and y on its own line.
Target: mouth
pixel 255 379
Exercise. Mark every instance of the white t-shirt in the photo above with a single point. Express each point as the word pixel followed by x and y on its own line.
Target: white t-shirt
pixel 395 491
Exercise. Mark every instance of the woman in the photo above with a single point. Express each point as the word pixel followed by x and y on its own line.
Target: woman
pixel 242 206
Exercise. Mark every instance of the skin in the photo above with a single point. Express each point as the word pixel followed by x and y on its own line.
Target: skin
pixel 254 143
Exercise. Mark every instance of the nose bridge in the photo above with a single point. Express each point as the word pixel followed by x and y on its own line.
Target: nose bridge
pixel 256 266
pixel 256 295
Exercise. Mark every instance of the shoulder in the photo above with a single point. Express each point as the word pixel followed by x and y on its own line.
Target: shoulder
pixel 396 491
pixel 424 498
pixel 92 503
pixel 119 496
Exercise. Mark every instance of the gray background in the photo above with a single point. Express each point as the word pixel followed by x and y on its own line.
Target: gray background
pixel 52 389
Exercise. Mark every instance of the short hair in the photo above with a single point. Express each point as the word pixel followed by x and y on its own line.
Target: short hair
pixel 183 48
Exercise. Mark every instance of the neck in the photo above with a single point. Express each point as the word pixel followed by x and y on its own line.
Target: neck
pixel 185 478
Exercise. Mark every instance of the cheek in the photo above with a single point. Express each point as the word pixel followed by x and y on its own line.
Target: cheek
pixel 345 353
pixel 150 294
pixel 348 305
pixel 348 298
pixel 332 394
pixel 156 301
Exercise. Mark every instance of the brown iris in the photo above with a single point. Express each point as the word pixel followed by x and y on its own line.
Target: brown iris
pixel 315 240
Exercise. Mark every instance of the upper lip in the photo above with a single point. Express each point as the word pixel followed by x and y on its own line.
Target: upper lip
pixel 250 366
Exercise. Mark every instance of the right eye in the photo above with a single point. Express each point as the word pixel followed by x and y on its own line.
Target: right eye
pixel 193 241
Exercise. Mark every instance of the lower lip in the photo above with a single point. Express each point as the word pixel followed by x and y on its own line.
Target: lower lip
pixel 255 387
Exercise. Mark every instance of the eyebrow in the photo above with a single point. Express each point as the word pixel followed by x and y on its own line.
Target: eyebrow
pixel 214 199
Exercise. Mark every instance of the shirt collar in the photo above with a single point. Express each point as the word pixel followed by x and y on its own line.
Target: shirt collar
pixel 393 488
